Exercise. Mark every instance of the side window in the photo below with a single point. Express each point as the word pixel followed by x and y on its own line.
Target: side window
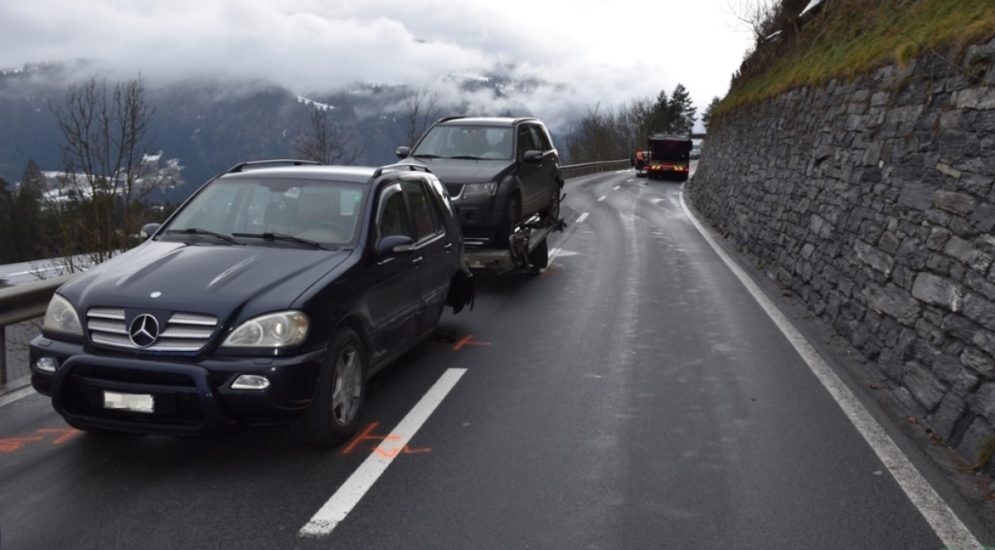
pixel 537 139
pixel 543 136
pixel 392 216
pixel 526 140
pixel 426 217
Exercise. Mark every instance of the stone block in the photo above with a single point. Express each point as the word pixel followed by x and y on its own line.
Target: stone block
pixel 980 310
pixel 954 202
pixel 978 361
pixel 982 402
pixel 948 170
pixel 876 259
pixel 939 291
pixel 959 249
pixel 959 378
pixel 959 327
pixel 893 301
pixel 944 420
pixel 938 238
pixel 985 340
pixel 915 195
pixel 921 383
pixel 980 98
pixel 979 433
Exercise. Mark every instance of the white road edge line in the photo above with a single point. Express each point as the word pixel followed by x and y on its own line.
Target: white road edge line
pixel 352 491
pixel 582 217
pixel 945 523
pixel 15 395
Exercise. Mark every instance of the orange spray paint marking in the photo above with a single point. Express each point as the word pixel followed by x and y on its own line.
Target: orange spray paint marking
pixel 367 435
pixel 65 434
pixel 11 444
pixel 469 341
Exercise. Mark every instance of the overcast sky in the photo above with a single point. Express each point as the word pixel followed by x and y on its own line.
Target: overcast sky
pixel 605 51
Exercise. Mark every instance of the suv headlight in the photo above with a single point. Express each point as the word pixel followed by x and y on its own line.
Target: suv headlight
pixel 475 190
pixel 273 330
pixel 61 317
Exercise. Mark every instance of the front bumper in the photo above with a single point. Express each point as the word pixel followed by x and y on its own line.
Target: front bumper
pixel 190 397
pixel 478 217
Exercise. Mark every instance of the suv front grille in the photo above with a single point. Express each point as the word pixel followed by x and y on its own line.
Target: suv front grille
pixel 183 332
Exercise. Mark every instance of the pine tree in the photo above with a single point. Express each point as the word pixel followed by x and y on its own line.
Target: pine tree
pixel 682 110
pixel 6 204
pixel 706 118
pixel 26 229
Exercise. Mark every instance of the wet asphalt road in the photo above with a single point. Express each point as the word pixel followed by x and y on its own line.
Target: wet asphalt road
pixel 632 396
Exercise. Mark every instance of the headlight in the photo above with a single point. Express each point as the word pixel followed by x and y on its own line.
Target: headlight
pixel 474 190
pixel 61 317
pixel 274 330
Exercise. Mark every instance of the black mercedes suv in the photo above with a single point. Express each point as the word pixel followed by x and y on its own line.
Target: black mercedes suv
pixel 498 171
pixel 270 296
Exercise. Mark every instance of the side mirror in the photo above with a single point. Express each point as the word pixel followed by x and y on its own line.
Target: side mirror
pixel 402 151
pixel 395 244
pixel 532 156
pixel 149 229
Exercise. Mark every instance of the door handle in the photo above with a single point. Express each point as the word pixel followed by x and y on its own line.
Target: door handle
pixel 417 261
pixel 448 247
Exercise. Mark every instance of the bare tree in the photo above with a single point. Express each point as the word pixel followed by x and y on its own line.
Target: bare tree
pixel 324 142
pixel 106 139
pixel 421 109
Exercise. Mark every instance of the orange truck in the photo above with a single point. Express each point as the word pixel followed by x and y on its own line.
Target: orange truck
pixel 669 157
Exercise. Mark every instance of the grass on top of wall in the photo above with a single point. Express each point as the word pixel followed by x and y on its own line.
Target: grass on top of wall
pixel 849 38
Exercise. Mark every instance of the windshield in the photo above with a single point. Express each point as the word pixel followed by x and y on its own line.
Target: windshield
pixel 320 211
pixel 469 142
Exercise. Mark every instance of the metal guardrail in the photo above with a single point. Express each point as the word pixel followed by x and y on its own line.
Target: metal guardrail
pixel 575 170
pixel 21 303
pixel 28 301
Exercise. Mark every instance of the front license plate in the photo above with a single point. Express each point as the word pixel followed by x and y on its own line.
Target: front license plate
pixel 142 403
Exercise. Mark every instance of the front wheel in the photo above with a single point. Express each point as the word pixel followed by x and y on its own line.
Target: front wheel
pixel 552 212
pixel 513 215
pixel 338 395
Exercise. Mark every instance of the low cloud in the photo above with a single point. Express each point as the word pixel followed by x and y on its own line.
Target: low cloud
pixel 588 53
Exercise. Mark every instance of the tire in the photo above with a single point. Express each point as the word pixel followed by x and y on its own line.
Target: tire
pixel 338 395
pixel 512 216
pixel 539 257
pixel 552 212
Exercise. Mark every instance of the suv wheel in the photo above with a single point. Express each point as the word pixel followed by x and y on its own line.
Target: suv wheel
pixel 552 212
pixel 339 394
pixel 513 215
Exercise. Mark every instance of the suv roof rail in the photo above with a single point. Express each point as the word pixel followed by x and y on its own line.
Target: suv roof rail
pixel 448 118
pixel 400 168
pixel 240 167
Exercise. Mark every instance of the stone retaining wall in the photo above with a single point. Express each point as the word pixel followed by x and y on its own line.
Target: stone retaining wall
pixel 873 201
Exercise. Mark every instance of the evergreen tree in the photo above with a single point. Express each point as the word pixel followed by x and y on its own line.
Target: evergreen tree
pixel 5 211
pixel 26 229
pixel 682 110
pixel 706 118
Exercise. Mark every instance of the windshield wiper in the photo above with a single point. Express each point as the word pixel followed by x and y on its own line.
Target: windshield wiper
pixel 425 156
pixel 199 231
pixel 279 237
pixel 466 157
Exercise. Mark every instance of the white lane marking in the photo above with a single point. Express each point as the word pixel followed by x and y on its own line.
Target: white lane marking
pixel 352 491
pixel 630 180
pixel 622 171
pixel 582 217
pixel 616 188
pixel 657 201
pixel 945 523
pixel 16 395
pixel 602 198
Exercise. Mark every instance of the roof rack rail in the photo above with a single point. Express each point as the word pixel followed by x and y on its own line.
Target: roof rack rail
pixel 240 167
pixel 448 118
pixel 400 168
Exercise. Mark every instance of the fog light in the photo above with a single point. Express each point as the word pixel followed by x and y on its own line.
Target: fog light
pixel 250 382
pixel 47 364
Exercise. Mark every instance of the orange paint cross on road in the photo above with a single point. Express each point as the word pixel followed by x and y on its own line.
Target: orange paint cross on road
pixel 12 444
pixel 469 341
pixel 368 435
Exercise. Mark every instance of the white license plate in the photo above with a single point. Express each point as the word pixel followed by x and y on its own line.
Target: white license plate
pixel 142 403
